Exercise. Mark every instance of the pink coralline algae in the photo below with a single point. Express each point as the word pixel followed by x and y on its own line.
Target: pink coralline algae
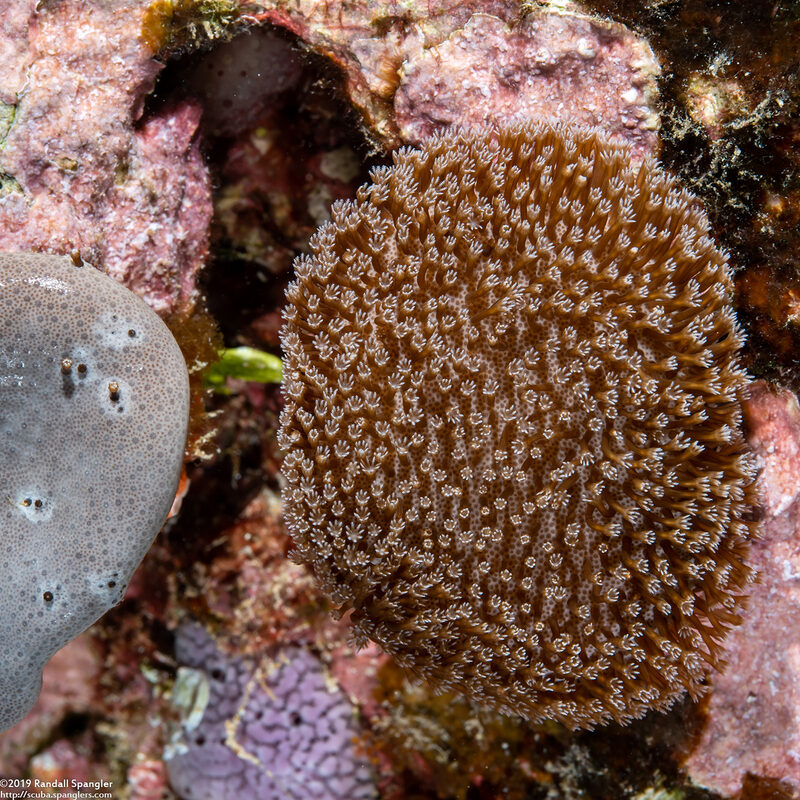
pixel 75 172
pixel 417 67
pixel 147 780
pixel 64 761
pixel 160 215
pixel 276 731
pixel 562 66
pixel 67 688
pixel 753 723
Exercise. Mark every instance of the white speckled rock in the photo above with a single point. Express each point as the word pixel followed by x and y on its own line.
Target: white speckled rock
pixel 94 402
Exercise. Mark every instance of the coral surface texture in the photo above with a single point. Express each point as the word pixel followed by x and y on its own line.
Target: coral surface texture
pixel 512 422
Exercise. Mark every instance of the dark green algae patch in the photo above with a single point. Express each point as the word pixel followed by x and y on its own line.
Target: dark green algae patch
pixel 730 111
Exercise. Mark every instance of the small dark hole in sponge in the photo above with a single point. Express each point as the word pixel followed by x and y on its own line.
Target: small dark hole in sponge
pixel 67 384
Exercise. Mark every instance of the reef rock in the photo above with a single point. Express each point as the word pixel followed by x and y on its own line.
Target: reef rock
pixel 568 67
pixel 753 723
pixel 68 688
pixel 439 63
pixel 76 174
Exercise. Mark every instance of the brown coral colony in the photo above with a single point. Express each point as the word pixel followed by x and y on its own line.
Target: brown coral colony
pixel 512 423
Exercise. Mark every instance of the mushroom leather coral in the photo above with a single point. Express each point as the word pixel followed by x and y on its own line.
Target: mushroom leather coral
pixel 512 422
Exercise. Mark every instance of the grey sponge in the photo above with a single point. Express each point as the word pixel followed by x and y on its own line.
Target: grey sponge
pixel 94 400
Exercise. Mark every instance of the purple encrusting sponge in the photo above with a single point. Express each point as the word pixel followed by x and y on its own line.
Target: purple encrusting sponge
pixel 275 731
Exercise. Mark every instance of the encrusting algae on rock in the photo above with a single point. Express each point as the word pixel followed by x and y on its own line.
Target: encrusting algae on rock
pixel 512 423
